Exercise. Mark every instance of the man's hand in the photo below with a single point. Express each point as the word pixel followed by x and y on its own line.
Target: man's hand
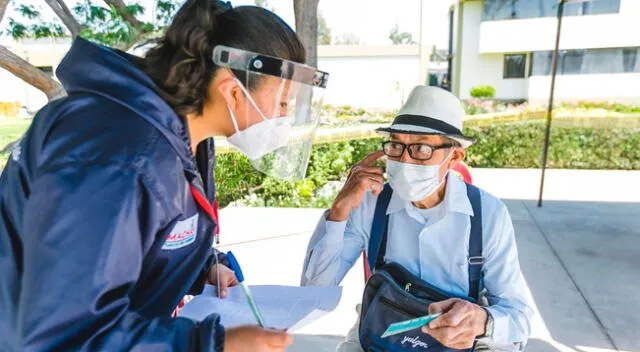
pixel 363 177
pixel 227 278
pixel 255 339
pixel 459 325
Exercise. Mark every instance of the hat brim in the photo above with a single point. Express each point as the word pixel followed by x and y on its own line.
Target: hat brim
pixel 464 141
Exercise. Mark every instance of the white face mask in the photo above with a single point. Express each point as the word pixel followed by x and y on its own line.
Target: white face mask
pixel 260 138
pixel 414 182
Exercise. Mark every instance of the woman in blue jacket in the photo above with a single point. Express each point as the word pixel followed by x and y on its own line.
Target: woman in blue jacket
pixel 106 203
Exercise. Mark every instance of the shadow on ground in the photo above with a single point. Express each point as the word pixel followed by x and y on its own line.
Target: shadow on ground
pixel 581 260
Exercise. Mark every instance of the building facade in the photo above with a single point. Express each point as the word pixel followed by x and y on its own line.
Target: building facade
pixel 509 45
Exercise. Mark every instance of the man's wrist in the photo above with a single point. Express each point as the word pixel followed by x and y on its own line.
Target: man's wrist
pixel 487 324
pixel 337 214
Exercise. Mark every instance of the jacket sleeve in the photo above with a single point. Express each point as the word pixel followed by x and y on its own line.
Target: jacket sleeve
pixel 87 229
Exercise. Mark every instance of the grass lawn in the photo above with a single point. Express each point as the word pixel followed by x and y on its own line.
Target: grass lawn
pixel 10 130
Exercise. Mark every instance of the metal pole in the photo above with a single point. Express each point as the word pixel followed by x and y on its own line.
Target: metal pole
pixel 450 53
pixel 554 69
pixel 421 58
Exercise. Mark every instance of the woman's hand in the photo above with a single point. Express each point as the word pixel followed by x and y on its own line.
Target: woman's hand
pixel 227 278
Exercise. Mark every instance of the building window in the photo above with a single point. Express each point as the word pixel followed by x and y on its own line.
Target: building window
pixel 48 70
pixel 514 66
pixel 571 62
pixel 601 7
pixel 587 61
pixel 496 10
pixel 630 61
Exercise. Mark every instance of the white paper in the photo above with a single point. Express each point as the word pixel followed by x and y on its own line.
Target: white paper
pixel 282 307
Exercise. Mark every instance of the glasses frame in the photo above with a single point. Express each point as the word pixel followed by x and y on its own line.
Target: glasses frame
pixel 409 148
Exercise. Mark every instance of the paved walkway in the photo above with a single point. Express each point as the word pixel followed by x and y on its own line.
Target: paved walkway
pixel 580 254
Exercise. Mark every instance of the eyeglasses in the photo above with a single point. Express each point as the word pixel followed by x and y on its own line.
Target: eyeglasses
pixel 416 151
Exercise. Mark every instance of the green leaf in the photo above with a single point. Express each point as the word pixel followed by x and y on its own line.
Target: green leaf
pixel 134 9
pixel 41 31
pixel 17 30
pixel 28 11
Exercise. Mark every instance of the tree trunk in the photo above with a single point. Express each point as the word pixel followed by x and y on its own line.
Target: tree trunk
pixel 120 6
pixel 3 6
pixel 31 75
pixel 306 12
pixel 63 12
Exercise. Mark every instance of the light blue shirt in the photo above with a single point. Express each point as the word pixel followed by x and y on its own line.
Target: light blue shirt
pixel 434 245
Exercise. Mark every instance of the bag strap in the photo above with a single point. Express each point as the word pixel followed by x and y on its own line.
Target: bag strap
pixel 378 237
pixel 475 242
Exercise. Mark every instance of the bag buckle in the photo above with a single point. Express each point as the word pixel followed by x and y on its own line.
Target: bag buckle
pixel 477 260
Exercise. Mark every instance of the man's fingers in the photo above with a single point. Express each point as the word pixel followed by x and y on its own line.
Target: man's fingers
pixel 373 183
pixel 449 319
pixel 359 170
pixel 446 335
pixel 450 337
pixel 458 312
pixel 442 306
pixel 276 338
pixel 377 189
pixel 450 315
pixel 369 176
pixel 371 170
pixel 371 158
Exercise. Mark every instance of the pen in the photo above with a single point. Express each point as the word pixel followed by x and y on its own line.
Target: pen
pixel 233 262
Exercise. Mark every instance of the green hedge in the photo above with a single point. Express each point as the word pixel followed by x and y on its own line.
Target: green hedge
pixel 483 92
pixel 237 180
pixel 621 108
pixel 520 146
pixel 500 146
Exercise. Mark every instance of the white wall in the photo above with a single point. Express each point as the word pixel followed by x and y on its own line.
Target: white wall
pixel 373 77
pixel 578 32
pixel 370 82
pixel 485 69
pixel 619 87
pixel 41 52
pixel 13 89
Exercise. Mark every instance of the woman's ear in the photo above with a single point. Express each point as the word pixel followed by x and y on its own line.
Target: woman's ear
pixel 231 92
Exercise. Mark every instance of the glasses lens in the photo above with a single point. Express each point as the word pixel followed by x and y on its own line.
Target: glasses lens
pixel 421 151
pixel 393 149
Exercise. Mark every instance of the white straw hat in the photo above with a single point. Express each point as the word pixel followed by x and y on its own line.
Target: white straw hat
pixel 431 110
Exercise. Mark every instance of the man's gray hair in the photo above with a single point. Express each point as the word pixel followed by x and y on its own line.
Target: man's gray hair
pixel 452 141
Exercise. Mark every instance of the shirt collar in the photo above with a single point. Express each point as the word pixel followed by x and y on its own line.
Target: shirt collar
pixel 455 198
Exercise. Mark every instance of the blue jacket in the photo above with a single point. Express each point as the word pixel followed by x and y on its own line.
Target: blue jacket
pixel 101 234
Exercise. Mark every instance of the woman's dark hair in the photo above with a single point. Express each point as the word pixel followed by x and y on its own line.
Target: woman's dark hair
pixel 181 62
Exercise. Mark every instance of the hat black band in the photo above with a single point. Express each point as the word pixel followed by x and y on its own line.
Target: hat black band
pixel 426 122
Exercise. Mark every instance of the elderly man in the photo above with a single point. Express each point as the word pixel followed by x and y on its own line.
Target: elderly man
pixel 430 226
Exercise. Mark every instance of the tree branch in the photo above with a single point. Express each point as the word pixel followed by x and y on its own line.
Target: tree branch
pixel 30 74
pixel 120 6
pixel 3 7
pixel 63 12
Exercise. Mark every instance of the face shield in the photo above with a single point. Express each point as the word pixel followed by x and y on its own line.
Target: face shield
pixel 276 126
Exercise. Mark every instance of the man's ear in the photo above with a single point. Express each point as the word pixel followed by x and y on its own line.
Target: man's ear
pixel 458 156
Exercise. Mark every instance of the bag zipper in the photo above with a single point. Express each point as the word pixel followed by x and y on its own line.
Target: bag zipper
pixel 397 307
pixel 421 292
